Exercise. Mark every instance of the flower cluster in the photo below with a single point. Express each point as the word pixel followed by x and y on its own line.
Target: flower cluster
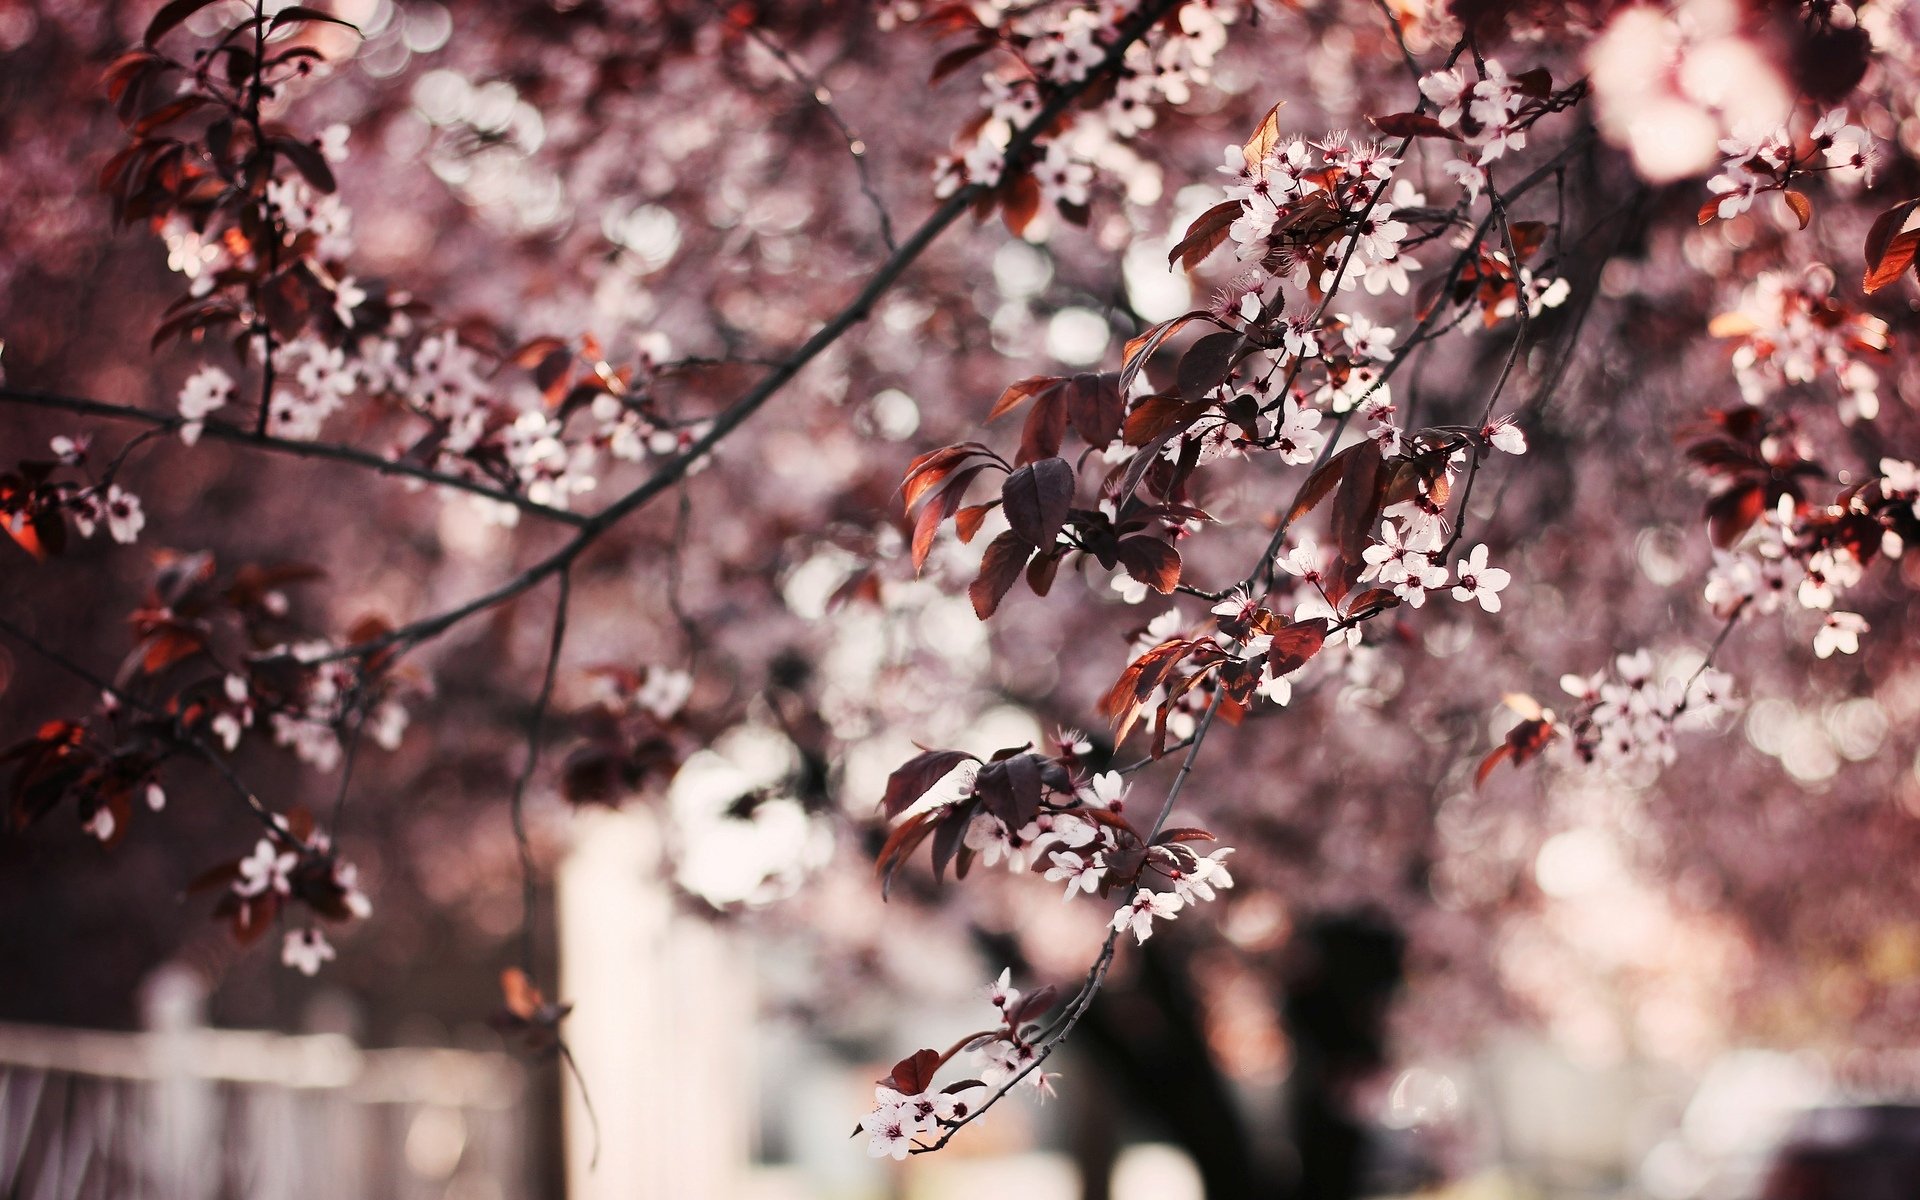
pixel 1769 160
pixel 1790 330
pixel 1049 47
pixel 1626 718
pixel 284 868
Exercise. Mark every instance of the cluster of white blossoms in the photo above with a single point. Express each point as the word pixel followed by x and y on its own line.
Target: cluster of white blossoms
pixel 113 507
pixel 1789 330
pixel 897 1119
pixel 268 874
pixel 1352 177
pixel 310 723
pixel 1778 565
pixel 478 429
pixel 1764 159
pixel 1628 716
pixel 1059 46
pixel 1487 112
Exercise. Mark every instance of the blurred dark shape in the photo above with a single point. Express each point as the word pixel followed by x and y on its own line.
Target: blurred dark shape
pixel 1868 1152
pixel 1340 982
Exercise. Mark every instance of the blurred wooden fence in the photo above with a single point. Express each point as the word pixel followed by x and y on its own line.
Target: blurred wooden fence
pixel 188 1113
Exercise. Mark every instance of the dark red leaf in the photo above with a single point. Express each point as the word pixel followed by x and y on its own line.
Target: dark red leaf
pixel 1411 125
pixel 1038 497
pixel 912 778
pixel 1207 364
pixel 1005 556
pixel 1151 561
pixel 1205 235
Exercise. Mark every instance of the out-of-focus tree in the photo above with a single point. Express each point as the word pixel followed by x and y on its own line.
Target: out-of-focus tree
pixel 806 418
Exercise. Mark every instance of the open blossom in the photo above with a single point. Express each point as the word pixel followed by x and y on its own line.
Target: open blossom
pixel 1297 436
pixel 1238 606
pixel 1106 790
pixel 1063 179
pixel 305 950
pixel 1081 873
pixel 1302 562
pixel 1472 177
pixel 118 508
pixel 1139 914
pixel 205 391
pixel 1505 436
pixel 1839 634
pixel 265 870
pixel 891 1126
pixel 1478 581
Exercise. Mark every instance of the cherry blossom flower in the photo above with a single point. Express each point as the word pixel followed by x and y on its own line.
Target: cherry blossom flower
pixel 1106 790
pixel 1447 90
pixel 305 950
pixel 1139 914
pixel 1471 177
pixel 1063 179
pixel 124 518
pixel 1478 581
pixel 1001 992
pixel 1505 436
pixel 265 870
pixel 1297 436
pixel 1081 873
pixel 1302 562
pixel 1239 605
pixel 1839 634
pixel 205 391
pixel 891 1127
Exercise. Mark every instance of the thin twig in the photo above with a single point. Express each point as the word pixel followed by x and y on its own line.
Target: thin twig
pixel 222 431
pixel 536 729
pixel 822 96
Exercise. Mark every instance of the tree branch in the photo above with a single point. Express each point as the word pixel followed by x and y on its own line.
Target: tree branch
pixel 332 451
pixel 853 313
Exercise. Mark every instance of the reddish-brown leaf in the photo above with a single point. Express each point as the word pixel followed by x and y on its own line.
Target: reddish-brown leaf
pixel 1321 482
pixel 1295 644
pixel 1207 364
pixel 1006 555
pixel 967 521
pixel 1409 125
pixel 953 60
pixel 1205 235
pixel 1038 497
pixel 170 16
pixel 1095 407
pixel 1021 203
pixel 899 847
pixel 914 1073
pixel 1142 347
pixel 1264 137
pixel 1018 393
pixel 1801 206
pixel 1045 429
pixel 1151 561
pixel 1893 261
pixel 911 779
pixel 1356 509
